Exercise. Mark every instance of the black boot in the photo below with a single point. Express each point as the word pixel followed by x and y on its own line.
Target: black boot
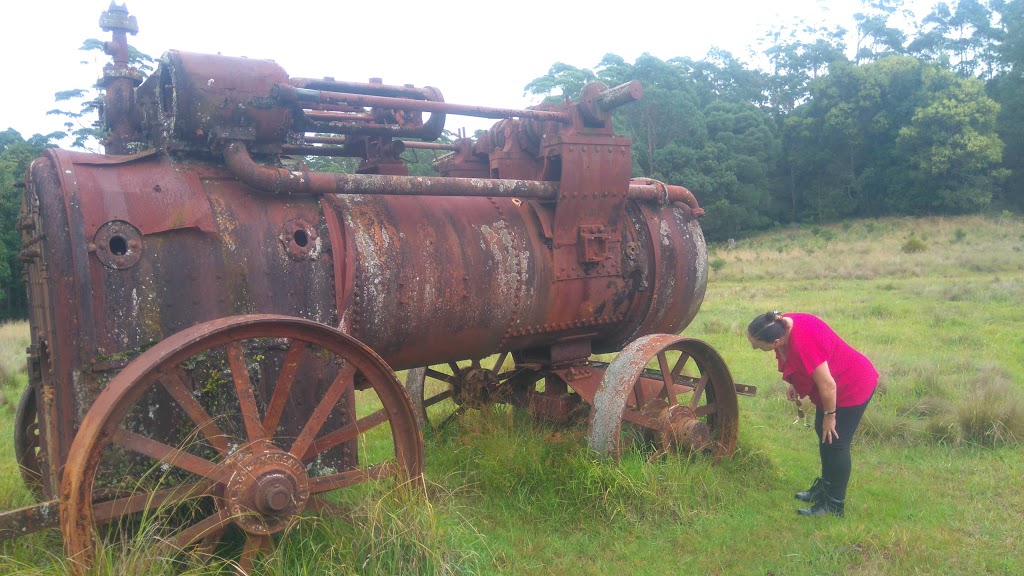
pixel 828 505
pixel 815 493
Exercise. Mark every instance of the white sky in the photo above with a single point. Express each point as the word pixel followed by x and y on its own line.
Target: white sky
pixel 476 52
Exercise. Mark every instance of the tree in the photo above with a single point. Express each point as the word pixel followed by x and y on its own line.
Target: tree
pixel 897 136
pixel 875 37
pixel 15 156
pixel 797 58
pixel 84 106
pixel 962 35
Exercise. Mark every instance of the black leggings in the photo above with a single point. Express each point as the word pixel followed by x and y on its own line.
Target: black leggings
pixel 835 457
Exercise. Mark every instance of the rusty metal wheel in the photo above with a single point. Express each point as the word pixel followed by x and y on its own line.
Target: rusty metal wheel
pixel 27 443
pixel 674 391
pixel 442 393
pixel 227 432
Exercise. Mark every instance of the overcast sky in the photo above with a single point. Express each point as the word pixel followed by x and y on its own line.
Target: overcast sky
pixel 481 52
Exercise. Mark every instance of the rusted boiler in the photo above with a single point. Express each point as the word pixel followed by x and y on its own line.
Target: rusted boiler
pixel 215 322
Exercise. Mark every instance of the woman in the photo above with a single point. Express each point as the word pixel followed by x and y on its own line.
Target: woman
pixel 839 380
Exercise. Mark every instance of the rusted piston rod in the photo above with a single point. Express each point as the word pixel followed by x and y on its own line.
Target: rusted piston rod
pixel 606 101
pixel 282 181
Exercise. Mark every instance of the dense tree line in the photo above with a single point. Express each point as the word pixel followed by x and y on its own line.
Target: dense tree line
pixel 15 155
pixel 875 121
pixel 899 116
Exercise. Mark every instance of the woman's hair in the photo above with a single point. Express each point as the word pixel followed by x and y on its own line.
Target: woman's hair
pixel 767 327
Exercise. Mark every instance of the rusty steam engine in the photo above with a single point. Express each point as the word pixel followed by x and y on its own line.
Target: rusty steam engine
pixel 216 323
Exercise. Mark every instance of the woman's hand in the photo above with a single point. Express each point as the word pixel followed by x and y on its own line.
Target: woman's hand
pixel 791 394
pixel 828 429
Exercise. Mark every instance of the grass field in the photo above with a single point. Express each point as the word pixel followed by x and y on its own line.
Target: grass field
pixel 938 464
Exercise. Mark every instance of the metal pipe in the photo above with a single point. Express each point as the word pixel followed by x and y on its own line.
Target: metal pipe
pixel 374 88
pixel 651 190
pixel 344 116
pixel 333 151
pixel 288 93
pixel 281 181
pixel 427 131
pixel 430 145
pixel 620 95
pixel 325 140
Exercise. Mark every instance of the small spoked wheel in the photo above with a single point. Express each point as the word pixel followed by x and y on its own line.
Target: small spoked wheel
pixel 219 438
pixel 442 393
pixel 675 392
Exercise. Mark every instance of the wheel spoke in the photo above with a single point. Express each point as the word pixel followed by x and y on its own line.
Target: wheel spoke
pixel 639 394
pixel 254 544
pixel 175 386
pixel 283 387
pixel 209 542
pixel 705 410
pixel 246 396
pixel 437 398
pixel 206 527
pixel 454 367
pixel 323 507
pixel 342 435
pixel 698 392
pixel 351 477
pixel 342 383
pixel 680 364
pixel 169 455
pixel 499 362
pixel 431 373
pixel 506 375
pixel 666 378
pixel 458 412
pixel 106 512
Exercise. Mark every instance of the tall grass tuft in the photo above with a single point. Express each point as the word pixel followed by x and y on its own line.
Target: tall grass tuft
pixel 991 414
pixel 399 531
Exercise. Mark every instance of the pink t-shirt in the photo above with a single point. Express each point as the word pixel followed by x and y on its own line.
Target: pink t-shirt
pixel 812 342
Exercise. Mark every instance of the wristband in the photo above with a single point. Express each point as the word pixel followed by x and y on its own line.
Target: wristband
pixel 832 413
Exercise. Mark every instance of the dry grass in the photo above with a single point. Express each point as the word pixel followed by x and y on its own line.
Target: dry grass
pixel 14 339
pixel 872 249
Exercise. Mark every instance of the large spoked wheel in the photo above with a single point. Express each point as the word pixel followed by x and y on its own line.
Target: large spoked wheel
pixel 221 436
pixel 674 391
pixel 27 443
pixel 442 393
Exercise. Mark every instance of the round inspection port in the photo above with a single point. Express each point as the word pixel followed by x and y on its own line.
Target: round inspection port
pixel 300 240
pixel 118 245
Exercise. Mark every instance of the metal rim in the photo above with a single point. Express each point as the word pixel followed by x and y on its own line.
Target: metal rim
pixel 249 473
pixel 27 443
pixel 699 397
pixel 442 393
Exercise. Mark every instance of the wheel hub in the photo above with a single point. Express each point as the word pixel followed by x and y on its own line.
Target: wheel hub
pixel 682 431
pixel 474 387
pixel 268 489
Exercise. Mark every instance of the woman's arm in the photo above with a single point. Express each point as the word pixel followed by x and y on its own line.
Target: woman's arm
pixel 826 385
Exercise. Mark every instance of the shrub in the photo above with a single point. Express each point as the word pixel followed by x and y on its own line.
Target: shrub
pixel 717 264
pixel 959 235
pixel 914 245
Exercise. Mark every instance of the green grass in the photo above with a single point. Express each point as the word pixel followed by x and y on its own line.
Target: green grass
pixel 936 487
